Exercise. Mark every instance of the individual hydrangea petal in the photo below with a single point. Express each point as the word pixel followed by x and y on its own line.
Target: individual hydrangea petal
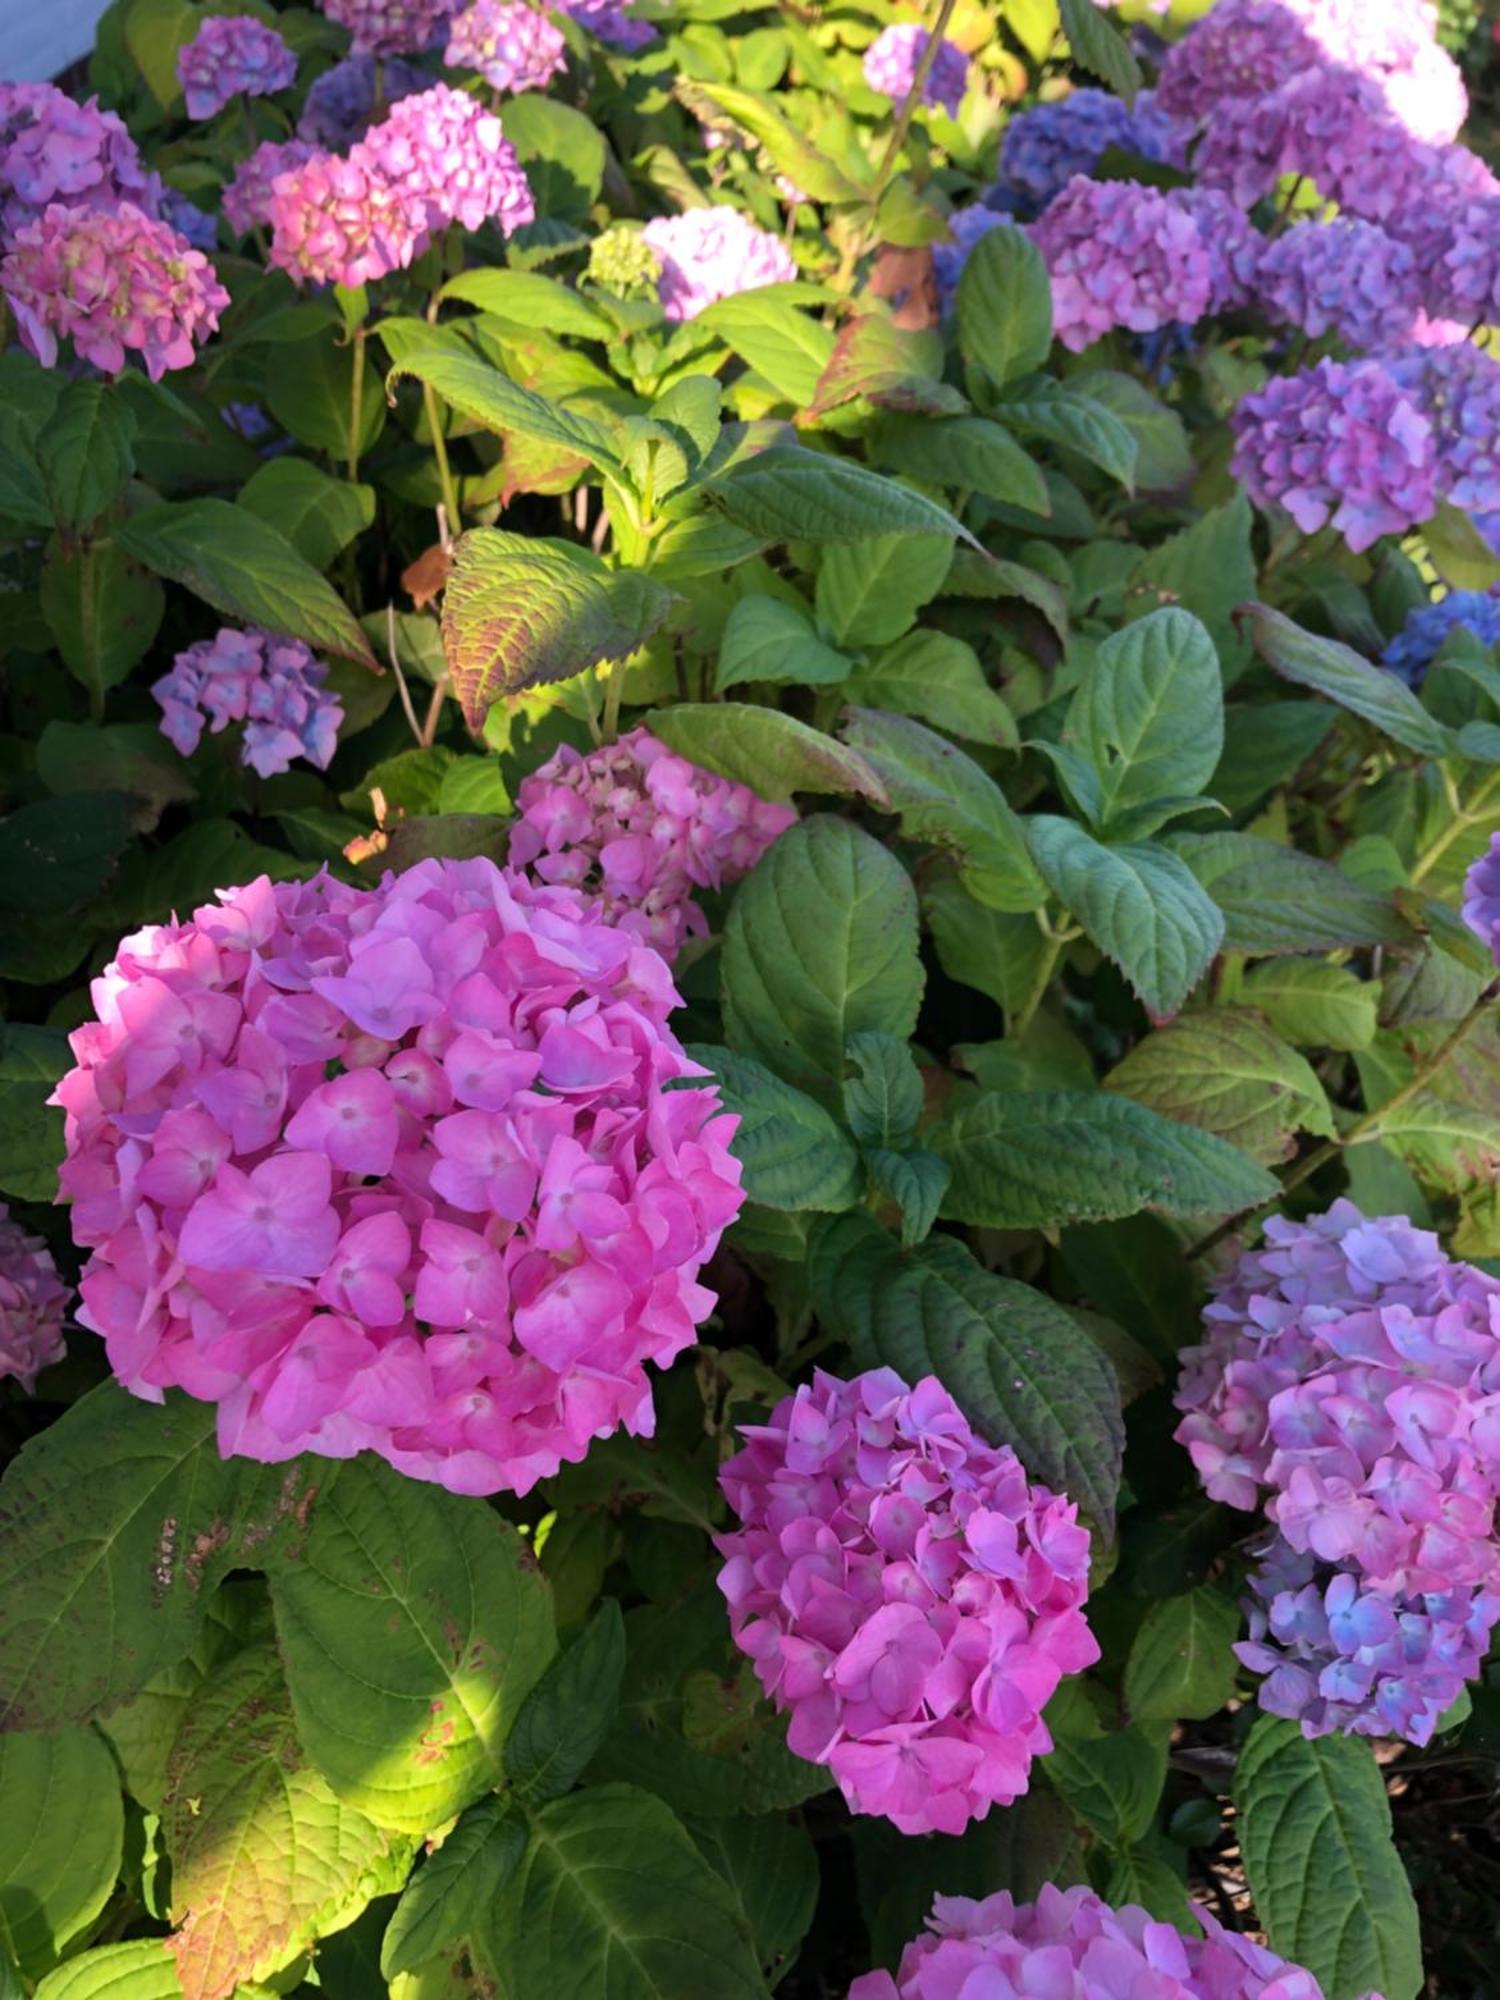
pixel 711 253
pixel 293 1215
pixel 905 1594
pixel 1482 897
pixel 1347 1383
pixel 446 159
pixel 273 685
pixel 391 27
pixel 340 105
pixel 55 152
pixel 892 60
pixel 1122 255
pixel 512 44
pixel 1416 646
pixel 33 1300
pixel 232 55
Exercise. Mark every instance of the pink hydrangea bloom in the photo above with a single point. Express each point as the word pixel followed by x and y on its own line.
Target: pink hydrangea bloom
pixel 341 222
pixel 711 253
pixel 273 685
pixel 891 63
pixel 513 45
pixel 111 280
pixel 1071 1945
pixel 232 55
pixel 247 199
pixel 53 151
pixel 1345 277
pixel 398 1170
pixel 1482 897
pixel 1233 244
pixel 905 1593
pixel 1350 1381
pixel 33 1300
pixel 1343 442
pixel 391 27
pixel 1120 254
pixel 448 158
pixel 638 829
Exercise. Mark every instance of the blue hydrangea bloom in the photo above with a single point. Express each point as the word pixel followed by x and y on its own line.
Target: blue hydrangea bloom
pixel 1044 147
pixel 1416 646
pixel 948 259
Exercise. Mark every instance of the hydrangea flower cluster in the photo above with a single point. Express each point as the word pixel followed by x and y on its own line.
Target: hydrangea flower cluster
pixel 340 104
pixel 1420 639
pixel 1457 389
pixel 1345 277
pixel 390 27
pixel 513 45
pixel 1120 254
pixel 1072 1945
pixel 190 221
pixel 966 227
pixel 892 60
pixel 273 685
pixel 905 1593
pixel 1350 1379
pixel 638 829
pixel 54 152
pixel 33 1300
pixel 1467 277
pixel 1233 244
pixel 399 1170
pixel 111 281
pixel 1482 897
pixel 1342 442
pixel 1045 147
pixel 340 222
pixel 232 55
pixel 711 253
pixel 623 261
pixel 611 22
pixel 247 198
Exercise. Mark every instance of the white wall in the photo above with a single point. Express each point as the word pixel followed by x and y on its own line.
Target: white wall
pixel 40 37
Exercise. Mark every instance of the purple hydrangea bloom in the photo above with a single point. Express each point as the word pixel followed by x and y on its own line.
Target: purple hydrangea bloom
pixel 513 45
pixel 1466 278
pixel 390 27
pixel 1482 897
pixel 247 199
pixel 1457 389
pixel 33 1302
pixel 340 106
pixel 56 152
pixel 891 63
pixel 1418 642
pixel 1044 147
pixel 1329 126
pixel 1345 277
pixel 232 55
pixel 1341 441
pixel 611 21
pixel 966 227
pixel 1233 244
pixel 1121 255
pixel 710 253
pixel 189 220
pixel 273 685
pixel 1239 50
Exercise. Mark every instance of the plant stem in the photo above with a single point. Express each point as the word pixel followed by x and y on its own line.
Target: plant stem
pixel 445 471
pixel 614 688
pixel 356 402
pixel 1463 818
pixel 1057 942
pixel 911 100
pixel 402 689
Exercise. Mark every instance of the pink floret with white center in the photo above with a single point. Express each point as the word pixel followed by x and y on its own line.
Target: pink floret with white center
pixel 905 1594
pixel 33 1301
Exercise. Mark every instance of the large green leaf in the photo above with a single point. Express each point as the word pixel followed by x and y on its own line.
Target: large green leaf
pixel 116 1525
pixel 767 328
pixel 319 515
pixel 1098 46
pixel 774 754
pixel 789 493
pixel 1051 410
pixel 1038 1159
pixel 1182 1663
pixel 1112 1782
pixel 821 943
pixel 31 1130
pixel 1275 899
pixel 452 1893
pixel 1004 306
pixel 569 1712
pixel 937 679
pixel 519 611
pixel 1139 904
pixel 52 855
pixel 102 610
pixel 869 592
pixel 1015 1363
pixel 1223 1069
pixel 1343 676
pixel 486 397
pixel 413 1624
pixel 757 113
pixel 529 300
pixel 966 451
pixel 1209 569
pixel 771 1869
pixel 62 1827
pixel 563 152
pixel 795 1154
pixel 1314 1003
pixel 140 1970
pixel 84 454
pixel 1314 1828
pixel 767 640
pixel 242 566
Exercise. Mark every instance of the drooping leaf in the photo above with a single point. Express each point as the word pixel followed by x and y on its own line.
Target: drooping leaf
pixel 319 515
pixel 790 493
pixel 795 1155
pixel 1314 1003
pixel 452 1893
pixel 756 113
pixel 966 451
pixel 774 754
pixel 1276 899
pixel 1343 676
pixel 869 592
pixel 1223 1069
pixel 528 299
pixel 768 328
pixel 568 1713
pixel 1181 1661
pixel 487 397
pixel 1051 410
pixel 1099 47
pixel 61 1833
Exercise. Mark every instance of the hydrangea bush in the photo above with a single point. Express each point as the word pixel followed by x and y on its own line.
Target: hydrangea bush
pixel 750 1002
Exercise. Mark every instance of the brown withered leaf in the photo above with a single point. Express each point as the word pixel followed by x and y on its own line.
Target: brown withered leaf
pixel 905 277
pixel 427 577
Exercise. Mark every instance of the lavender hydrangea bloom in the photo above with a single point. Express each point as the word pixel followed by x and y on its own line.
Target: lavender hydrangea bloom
pixel 390 27
pixel 1420 639
pixel 1467 275
pixel 891 63
pixel 1044 147
pixel 1233 244
pixel 340 106
pixel 54 152
pixel 1457 389
pixel 273 685
pixel 710 253
pixel 948 259
pixel 1482 897
pixel 513 46
pixel 247 199
pixel 33 1301
pixel 1346 277
pixel 189 220
pixel 1328 126
pixel 232 55
pixel 611 22
pixel 1120 254
pixel 1241 49
pixel 1340 442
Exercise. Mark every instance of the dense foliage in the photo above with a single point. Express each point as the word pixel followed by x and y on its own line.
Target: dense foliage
pixel 749 1045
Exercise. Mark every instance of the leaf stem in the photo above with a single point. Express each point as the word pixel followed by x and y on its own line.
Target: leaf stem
pixel 356 402
pixel 445 471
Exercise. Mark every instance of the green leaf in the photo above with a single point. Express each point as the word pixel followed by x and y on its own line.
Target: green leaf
pixel 529 300
pixel 1002 956
pixel 821 943
pixel 1209 569
pixel 62 1827
pixel 975 574
pixel 520 611
pixel 83 452
pixel 1149 717
pixel 1276 900
pixel 767 640
pixel 791 154
pixel 1140 905
pixel 564 155
pixel 1113 1783
pixel 875 359
pixel 488 398
pixel 52 855
pixel 1163 456
pixel 242 566
pixel 1016 1363
pixel 916 1182
pixel 1462 556
pixel 31 1130
pixel 943 797
pixel 1133 1271
pixel 774 754
pixel 1146 1876
pixel 1181 1663
pixel 869 592
pixel 1036 1160
pixel 966 451
pixel 309 389
pixel 1004 306
pixel 319 515
pixel 937 679
pixel 795 1155
pixel 452 1893
pixel 1314 1827
pixel 1343 676
pixel 789 493
pixel 140 1970
pixel 102 610
pixel 131 757
pixel 154 32
pixel 766 328
pixel 614 1900
pixel 569 1712
pixel 1224 1070
pixel 1099 47
pixel 771 1869
pixel 1051 410
pixel 1314 1004
pixel 264 1858
pixel 412 1625
pixel 883 1093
